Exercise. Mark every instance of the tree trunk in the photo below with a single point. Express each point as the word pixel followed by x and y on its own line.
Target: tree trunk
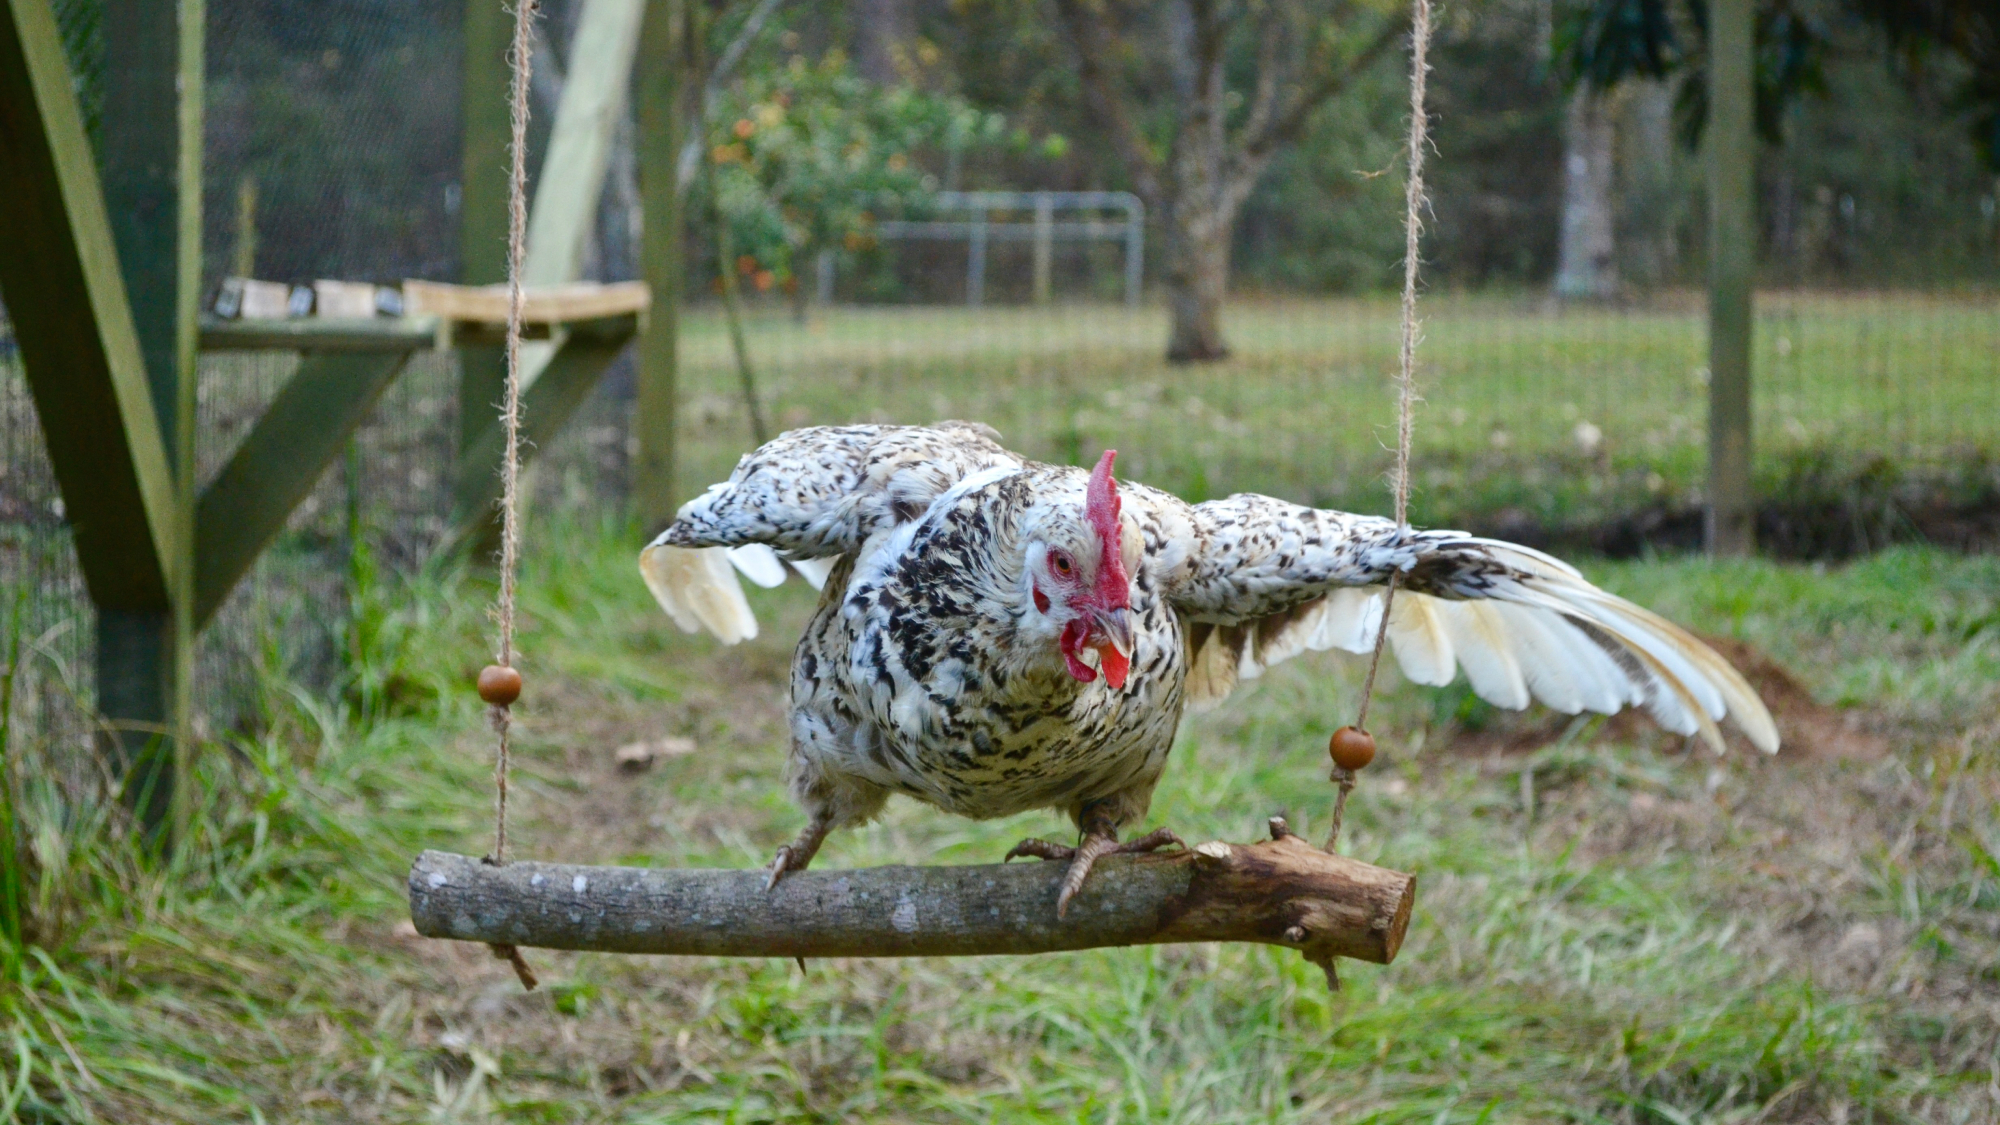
pixel 883 31
pixel 1197 281
pixel 1203 195
pixel 1587 269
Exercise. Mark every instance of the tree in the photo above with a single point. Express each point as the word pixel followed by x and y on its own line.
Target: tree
pixel 1196 114
pixel 807 154
pixel 1601 43
pixel 1586 267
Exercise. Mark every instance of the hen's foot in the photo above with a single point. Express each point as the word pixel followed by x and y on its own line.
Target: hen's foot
pixel 1085 856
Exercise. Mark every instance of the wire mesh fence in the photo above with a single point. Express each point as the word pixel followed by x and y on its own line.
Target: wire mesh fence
pixel 331 153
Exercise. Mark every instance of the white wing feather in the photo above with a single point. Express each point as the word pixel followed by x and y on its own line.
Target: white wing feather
pixel 1420 642
pixel 698 589
pixel 759 564
pixel 1523 626
pixel 815 571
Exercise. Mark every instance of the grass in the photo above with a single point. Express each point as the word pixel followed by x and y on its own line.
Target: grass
pixel 1609 929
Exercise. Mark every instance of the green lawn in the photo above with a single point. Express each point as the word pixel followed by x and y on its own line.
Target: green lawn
pixel 1609 928
pixel 1304 408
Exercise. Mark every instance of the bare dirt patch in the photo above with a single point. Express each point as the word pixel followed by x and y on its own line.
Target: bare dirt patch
pixel 1807 727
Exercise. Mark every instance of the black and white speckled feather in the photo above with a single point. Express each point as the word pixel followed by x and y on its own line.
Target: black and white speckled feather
pixel 933 667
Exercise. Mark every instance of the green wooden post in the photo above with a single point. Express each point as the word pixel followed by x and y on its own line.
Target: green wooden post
pixel 482 225
pixel 1732 247
pixel 151 156
pixel 659 91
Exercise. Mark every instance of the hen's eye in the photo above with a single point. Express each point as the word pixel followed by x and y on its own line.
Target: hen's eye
pixel 1062 564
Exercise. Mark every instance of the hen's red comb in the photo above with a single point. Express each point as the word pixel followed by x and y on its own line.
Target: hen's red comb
pixel 1100 507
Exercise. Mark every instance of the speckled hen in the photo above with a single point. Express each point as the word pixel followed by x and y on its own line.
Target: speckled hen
pixel 994 634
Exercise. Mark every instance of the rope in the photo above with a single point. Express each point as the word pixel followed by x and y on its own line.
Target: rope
pixel 520 57
pixel 1406 395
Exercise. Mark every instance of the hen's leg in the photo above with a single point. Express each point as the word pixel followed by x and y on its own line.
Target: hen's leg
pixel 800 852
pixel 1100 839
pixel 831 799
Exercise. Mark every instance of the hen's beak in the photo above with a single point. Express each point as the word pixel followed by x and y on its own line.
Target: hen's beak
pixel 1116 625
pixel 1114 650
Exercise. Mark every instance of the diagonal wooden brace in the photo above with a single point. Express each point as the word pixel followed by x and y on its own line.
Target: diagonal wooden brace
pixel 276 466
pixel 546 404
pixel 67 302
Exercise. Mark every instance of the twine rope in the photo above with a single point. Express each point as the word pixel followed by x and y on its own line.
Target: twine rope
pixel 520 57
pixel 1406 395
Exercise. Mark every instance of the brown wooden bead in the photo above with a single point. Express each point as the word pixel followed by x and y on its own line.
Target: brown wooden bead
pixel 499 685
pixel 1351 748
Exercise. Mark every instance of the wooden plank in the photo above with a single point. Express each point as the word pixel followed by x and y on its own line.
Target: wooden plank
pixel 140 139
pixel 1277 892
pixel 320 334
pixel 1731 144
pixel 66 297
pixel 541 304
pixel 661 94
pixel 565 382
pixel 279 462
pixel 564 214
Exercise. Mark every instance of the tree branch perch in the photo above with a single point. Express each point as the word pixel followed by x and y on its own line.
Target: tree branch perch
pixel 1279 892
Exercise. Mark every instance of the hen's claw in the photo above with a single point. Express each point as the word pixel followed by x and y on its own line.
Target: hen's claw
pixel 780 863
pixel 797 854
pixel 1085 856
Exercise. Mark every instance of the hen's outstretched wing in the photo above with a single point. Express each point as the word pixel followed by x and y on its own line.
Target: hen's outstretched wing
pixel 813 495
pixel 1265 580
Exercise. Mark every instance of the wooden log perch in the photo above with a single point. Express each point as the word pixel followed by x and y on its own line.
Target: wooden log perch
pixel 1280 892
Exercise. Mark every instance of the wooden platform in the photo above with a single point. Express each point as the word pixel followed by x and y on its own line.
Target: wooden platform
pixel 438 315
pixel 542 305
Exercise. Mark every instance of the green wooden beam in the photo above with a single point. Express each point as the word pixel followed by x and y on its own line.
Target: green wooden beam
pixel 545 407
pixel 660 97
pixel 482 215
pixel 1731 144
pixel 316 334
pixel 66 297
pixel 276 466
